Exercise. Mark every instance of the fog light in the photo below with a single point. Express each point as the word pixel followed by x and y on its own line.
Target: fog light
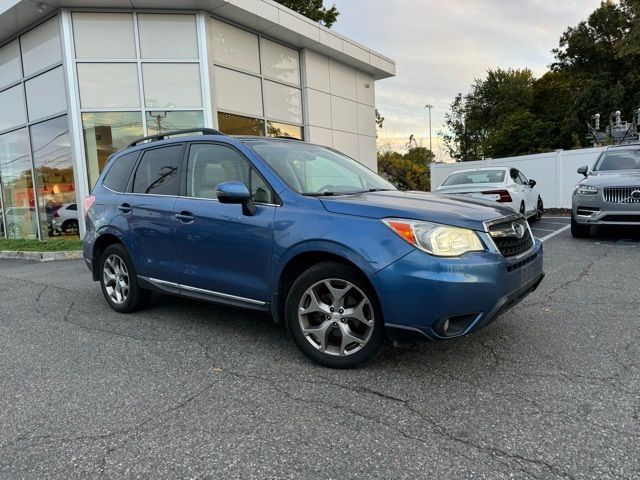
pixel 445 326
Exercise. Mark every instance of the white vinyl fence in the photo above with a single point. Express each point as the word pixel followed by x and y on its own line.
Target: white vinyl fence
pixel 554 172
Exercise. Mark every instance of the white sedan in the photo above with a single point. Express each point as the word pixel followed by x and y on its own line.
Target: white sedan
pixel 500 184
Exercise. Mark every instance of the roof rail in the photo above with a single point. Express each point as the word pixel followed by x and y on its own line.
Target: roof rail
pixel 287 137
pixel 162 136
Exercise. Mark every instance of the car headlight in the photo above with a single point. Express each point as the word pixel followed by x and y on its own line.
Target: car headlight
pixel 434 238
pixel 586 190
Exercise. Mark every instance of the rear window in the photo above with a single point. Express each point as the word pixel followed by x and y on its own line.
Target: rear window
pixel 483 176
pixel 157 172
pixel 118 175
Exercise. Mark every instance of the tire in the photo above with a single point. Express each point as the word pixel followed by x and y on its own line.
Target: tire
pixel 539 211
pixel 120 276
pixel 71 226
pixel 578 230
pixel 320 332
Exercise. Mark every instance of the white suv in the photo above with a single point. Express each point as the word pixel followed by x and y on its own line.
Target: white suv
pixel 65 218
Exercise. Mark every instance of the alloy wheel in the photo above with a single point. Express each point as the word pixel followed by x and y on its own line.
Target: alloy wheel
pixel 336 317
pixel 116 279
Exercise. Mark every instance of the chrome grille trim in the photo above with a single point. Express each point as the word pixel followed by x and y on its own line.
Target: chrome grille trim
pixel 621 194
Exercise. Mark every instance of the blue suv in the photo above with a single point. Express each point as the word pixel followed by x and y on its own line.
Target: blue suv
pixel 307 234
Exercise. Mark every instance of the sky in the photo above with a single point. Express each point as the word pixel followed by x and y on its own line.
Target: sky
pixel 441 46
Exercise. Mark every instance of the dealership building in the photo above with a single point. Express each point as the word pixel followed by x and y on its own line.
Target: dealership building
pixel 79 80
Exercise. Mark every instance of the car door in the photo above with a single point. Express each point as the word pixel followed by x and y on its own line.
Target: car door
pixel 520 190
pixel 148 210
pixel 222 253
pixel 531 194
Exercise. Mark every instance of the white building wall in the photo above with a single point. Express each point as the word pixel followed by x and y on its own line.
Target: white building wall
pixel 554 172
pixel 340 107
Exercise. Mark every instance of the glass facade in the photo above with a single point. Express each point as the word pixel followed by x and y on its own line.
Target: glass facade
pixel 268 75
pixel 36 166
pixel 149 82
pixel 134 74
pixel 105 133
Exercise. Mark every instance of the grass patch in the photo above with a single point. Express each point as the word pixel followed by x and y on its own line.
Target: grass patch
pixel 53 245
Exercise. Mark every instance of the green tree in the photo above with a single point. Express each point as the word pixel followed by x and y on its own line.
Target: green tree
pixel 313 9
pixel 409 170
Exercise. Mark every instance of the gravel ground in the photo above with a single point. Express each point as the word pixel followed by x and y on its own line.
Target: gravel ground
pixel 190 390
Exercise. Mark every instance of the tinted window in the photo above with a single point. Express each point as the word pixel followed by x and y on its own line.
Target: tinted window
pixel 118 175
pixel 523 179
pixel 73 207
pixel 515 177
pixel 209 165
pixel 158 171
pixel 481 176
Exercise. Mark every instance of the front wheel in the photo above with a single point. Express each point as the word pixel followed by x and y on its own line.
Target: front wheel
pixel 119 281
pixel 334 317
pixel 539 210
pixel 578 230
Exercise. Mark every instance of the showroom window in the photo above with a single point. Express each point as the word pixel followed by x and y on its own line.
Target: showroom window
pixel 148 83
pixel 268 75
pixel 36 169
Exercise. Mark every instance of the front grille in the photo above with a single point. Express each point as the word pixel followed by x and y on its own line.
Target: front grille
pixel 506 238
pixel 622 194
pixel 621 218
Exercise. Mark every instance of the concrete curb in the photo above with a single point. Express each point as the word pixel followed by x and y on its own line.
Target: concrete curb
pixel 41 256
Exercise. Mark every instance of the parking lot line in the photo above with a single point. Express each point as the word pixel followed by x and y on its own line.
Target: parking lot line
pixel 557 232
pixel 552 223
pixel 543 229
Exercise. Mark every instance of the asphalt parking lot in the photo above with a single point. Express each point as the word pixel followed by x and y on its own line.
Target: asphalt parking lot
pixel 190 390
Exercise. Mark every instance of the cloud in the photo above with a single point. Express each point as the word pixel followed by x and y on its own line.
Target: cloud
pixel 441 47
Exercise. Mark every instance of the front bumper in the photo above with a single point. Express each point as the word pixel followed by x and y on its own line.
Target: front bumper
pixel 593 210
pixel 439 298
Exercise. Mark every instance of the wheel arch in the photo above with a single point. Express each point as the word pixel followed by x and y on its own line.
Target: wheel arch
pixel 306 258
pixel 101 243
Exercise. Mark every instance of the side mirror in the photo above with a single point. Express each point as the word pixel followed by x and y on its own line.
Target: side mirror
pixel 238 193
pixel 532 183
pixel 584 170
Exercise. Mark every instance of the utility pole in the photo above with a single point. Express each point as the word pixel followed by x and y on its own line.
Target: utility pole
pixel 429 107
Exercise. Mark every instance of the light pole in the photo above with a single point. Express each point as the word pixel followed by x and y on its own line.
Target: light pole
pixel 429 107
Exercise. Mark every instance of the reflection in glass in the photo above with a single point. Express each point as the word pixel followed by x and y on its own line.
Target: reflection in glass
pixel 163 121
pixel 279 62
pixel 275 129
pixel 17 183
pixel 168 85
pixel 10 69
pixel 238 125
pixel 54 176
pixel 41 46
pixel 106 133
pixel 282 102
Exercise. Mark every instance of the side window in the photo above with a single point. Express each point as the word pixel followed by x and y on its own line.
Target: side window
pixel 523 179
pixel 157 172
pixel 73 207
pixel 118 175
pixel 515 176
pixel 209 164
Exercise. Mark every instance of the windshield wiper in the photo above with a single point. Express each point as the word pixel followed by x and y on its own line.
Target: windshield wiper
pixel 319 194
pixel 380 190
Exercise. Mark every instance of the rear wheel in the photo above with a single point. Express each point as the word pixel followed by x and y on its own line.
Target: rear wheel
pixel 71 227
pixel 334 317
pixel 578 230
pixel 119 281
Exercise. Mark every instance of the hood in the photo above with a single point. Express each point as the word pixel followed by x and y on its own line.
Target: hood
pixel 449 210
pixel 613 178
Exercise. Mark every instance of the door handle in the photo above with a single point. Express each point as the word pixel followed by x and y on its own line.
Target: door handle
pixel 185 217
pixel 125 208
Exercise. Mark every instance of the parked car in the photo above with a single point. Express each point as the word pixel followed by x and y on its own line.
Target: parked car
pixel 306 234
pixel 504 185
pixel 609 194
pixel 65 219
pixel 21 222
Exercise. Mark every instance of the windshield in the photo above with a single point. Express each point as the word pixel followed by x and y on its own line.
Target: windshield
pixel 619 159
pixel 482 176
pixel 314 170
